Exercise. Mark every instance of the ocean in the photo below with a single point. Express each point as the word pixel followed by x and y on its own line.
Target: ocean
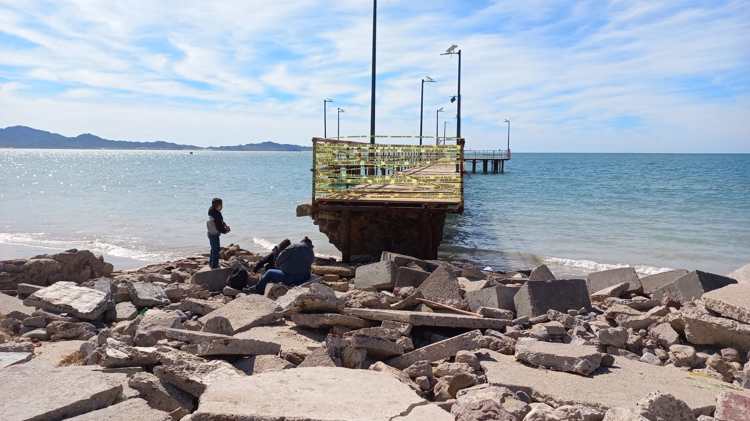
pixel 577 212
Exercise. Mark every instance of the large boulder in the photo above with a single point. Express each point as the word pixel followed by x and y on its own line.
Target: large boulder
pixel 319 393
pixel 210 344
pixel 732 301
pixel 742 274
pixel 150 327
pixel 692 286
pixel 146 294
pixel 702 328
pixel 378 275
pixel 211 279
pixel 162 396
pixel 14 308
pixel 194 375
pixel 311 298
pixel 128 410
pixel 73 265
pixel 499 296
pixel 656 281
pixel 598 281
pixel 67 297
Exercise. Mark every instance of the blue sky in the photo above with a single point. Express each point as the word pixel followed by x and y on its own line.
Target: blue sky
pixel 600 75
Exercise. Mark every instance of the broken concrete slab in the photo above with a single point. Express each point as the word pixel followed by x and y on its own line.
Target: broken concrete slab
pixel 438 350
pixel 241 314
pixel 8 359
pixel 357 392
pixel 410 276
pixel 733 406
pixel 442 287
pixel 537 297
pixel 654 282
pixel 257 364
pixel 326 320
pixel 146 294
pixel 541 273
pixel 66 392
pixel 128 410
pixel 14 308
pixel 24 290
pixel 341 271
pixel 375 276
pixel 210 344
pixel 125 311
pixel 52 354
pixel 615 290
pixel 580 359
pixel 293 340
pixel 311 298
pixel 67 297
pixel 211 279
pixel 499 296
pixel 404 260
pixel 193 376
pixel 118 355
pixel 622 384
pixel 598 281
pixel 162 396
pixel 741 274
pixel 704 329
pixel 732 301
pixel 416 318
pixel 199 306
pixel 151 325
pixel 692 286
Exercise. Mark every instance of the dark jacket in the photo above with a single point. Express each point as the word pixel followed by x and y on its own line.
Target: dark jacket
pixel 296 259
pixel 218 220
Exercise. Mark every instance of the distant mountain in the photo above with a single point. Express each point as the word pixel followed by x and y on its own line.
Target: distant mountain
pixel 27 137
pixel 262 146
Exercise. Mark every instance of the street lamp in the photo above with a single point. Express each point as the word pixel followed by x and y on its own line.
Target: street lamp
pixel 372 93
pixel 437 125
pixel 454 50
pixel 339 110
pixel 325 117
pixel 507 120
pixel 421 106
pixel 445 127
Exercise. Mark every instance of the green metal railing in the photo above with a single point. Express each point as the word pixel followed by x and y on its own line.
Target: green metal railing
pixel 355 171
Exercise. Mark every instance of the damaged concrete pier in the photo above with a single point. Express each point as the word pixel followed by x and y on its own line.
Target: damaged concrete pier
pixel 369 198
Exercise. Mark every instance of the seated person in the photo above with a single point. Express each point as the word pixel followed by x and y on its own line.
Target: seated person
pixel 269 262
pixel 292 266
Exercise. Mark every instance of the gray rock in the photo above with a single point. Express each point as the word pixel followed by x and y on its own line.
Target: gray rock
pixel 151 326
pixel 199 306
pixel 312 298
pixel 327 320
pixel 439 350
pixel 24 290
pixel 294 341
pixel 66 391
pixel 732 301
pixel 211 344
pixel 378 275
pixel 654 282
pixel 14 308
pixel 67 297
pixel 211 279
pixel 664 407
pixel 448 386
pixel 615 290
pixel 258 364
pixel 145 294
pixel 118 355
pixel 162 396
pixel 442 287
pixel 615 336
pixel 580 359
pixel 8 359
pixel 498 297
pixel 683 356
pixel 496 313
pixel 732 406
pixel 486 402
pixel 59 330
pixel 417 318
pixel 664 334
pixel 623 414
pixel 650 358
pixel 39 334
pixel 703 329
pixel 356 393
pixel 125 311
pixel 598 281
pixel 692 286
pixel 541 273
pixel 129 410
pixel 241 314
pixel 537 297
pixel 194 375
pixel 410 276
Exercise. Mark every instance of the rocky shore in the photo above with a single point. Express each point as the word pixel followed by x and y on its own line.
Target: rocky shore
pixel 397 339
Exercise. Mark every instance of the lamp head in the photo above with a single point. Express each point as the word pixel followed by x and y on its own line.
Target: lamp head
pixel 453 99
pixel 427 79
pixel 440 110
pixel 327 100
pixel 507 120
pixel 452 49
pixel 341 110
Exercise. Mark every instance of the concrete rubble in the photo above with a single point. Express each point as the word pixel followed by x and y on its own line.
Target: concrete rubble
pixel 415 339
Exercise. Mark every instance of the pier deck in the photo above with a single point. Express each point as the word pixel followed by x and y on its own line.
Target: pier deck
pixel 372 198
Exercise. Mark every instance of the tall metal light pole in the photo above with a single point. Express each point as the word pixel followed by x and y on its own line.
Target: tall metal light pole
pixel 445 127
pixel 454 50
pixel 372 91
pixel 507 120
pixel 339 110
pixel 421 106
pixel 325 117
pixel 437 125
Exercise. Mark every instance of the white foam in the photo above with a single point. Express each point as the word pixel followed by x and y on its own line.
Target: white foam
pixel 263 243
pixel 592 266
pixel 43 241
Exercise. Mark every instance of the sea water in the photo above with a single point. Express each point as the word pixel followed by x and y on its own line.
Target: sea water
pixel 577 212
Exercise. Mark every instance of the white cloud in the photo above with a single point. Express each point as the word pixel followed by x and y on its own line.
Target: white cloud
pixel 233 72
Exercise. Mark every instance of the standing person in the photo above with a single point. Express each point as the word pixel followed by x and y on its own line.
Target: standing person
pixel 215 226
pixel 293 266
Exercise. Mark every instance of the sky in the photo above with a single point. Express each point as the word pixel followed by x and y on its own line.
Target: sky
pixel 572 76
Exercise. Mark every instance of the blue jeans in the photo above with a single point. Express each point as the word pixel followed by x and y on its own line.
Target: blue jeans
pixel 213 260
pixel 276 276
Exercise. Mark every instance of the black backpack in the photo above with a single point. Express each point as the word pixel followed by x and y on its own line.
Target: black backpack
pixel 238 278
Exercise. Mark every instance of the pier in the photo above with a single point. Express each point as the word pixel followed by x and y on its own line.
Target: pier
pixel 367 198
pixel 492 161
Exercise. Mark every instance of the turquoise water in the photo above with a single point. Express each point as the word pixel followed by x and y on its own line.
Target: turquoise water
pixel 579 212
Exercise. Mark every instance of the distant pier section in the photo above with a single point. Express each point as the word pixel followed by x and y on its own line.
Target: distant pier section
pixel 491 161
